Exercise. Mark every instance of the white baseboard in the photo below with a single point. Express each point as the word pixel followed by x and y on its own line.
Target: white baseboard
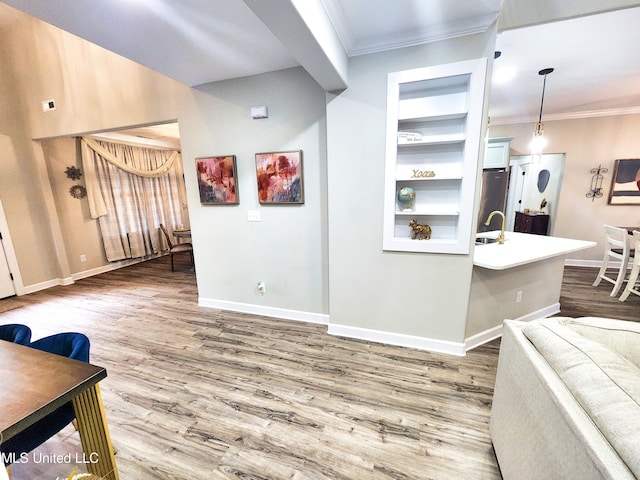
pixel 112 266
pixel 495 332
pixel 274 312
pixel 482 338
pixel 399 339
pixel 569 262
pixel 36 287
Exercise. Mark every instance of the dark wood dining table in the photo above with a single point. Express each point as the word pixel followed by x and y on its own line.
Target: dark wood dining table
pixel 35 383
pixel 182 234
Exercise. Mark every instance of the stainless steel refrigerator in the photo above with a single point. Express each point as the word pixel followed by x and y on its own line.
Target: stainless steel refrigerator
pixel 495 184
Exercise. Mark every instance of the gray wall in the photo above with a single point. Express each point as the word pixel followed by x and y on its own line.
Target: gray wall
pixel 422 295
pixel 288 249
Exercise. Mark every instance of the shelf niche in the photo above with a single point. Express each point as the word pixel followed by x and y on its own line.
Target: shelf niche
pixel 434 122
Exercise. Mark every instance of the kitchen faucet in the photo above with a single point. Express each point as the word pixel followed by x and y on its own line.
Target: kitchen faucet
pixel 501 237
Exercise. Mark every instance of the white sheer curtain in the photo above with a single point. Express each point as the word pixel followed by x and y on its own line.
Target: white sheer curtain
pixel 131 190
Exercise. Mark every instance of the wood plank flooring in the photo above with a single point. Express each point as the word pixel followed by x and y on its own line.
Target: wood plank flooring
pixel 199 393
pixel 579 299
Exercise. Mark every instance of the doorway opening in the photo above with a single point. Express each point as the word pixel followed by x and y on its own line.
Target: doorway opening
pixel 534 186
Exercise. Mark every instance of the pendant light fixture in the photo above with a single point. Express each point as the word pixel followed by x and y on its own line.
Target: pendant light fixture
pixel 538 142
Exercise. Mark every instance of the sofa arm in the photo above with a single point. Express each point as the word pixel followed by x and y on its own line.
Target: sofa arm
pixel 537 428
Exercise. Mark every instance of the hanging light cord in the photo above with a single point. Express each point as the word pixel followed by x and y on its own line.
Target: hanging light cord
pixel 545 72
pixel 544 83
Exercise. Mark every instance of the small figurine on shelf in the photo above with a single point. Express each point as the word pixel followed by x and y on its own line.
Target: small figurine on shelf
pixel 419 231
pixel 543 204
pixel 406 198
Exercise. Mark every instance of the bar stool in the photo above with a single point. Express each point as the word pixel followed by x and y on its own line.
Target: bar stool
pixel 618 248
pixel 632 286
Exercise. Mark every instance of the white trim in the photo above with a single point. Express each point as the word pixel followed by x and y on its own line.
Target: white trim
pixel 36 287
pixel 569 262
pixel 265 311
pixel 495 332
pixel 551 117
pixel 10 254
pixel 114 266
pixel 482 338
pixel 592 263
pixel 399 339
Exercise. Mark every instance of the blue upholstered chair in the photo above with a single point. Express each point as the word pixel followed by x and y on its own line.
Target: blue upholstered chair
pixel 15 333
pixel 71 345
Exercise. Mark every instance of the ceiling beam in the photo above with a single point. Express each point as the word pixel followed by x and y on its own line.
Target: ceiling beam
pixel 305 30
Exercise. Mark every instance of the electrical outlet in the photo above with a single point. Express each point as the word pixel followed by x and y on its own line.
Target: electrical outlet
pixel 253 215
pixel 262 288
pixel 83 258
pixel 519 296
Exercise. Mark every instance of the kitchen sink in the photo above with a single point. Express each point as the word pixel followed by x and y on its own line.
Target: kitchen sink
pixel 485 240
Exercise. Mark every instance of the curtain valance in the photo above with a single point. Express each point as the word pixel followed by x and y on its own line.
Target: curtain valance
pixel 112 159
pixel 131 190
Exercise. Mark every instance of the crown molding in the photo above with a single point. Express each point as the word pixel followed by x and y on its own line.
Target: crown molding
pixel 434 32
pixel 611 112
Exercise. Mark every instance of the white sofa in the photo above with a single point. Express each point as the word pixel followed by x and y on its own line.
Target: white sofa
pixel 566 403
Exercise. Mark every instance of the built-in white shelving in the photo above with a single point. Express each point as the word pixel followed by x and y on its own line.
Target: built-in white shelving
pixel 434 120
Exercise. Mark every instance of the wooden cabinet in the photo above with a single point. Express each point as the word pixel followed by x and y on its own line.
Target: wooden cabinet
pixel 434 124
pixel 497 153
pixel 531 223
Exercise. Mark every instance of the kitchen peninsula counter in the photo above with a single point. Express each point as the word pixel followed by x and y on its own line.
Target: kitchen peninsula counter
pixel 519 280
pixel 523 248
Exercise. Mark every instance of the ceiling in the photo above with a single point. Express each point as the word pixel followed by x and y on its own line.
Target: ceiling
pixel 596 71
pixel 201 41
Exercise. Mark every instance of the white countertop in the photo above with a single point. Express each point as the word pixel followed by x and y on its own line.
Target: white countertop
pixel 523 248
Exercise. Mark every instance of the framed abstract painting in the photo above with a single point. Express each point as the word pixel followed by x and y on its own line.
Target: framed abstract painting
pixel 279 176
pixel 625 184
pixel 217 180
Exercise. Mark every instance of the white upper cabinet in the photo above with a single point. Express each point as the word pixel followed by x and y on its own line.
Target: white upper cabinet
pixel 434 122
pixel 497 153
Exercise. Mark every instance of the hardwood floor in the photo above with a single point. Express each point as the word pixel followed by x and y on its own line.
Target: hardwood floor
pixel 579 299
pixel 199 393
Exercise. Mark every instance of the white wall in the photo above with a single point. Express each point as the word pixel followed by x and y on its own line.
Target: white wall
pixel 288 249
pixel 587 142
pixel 374 293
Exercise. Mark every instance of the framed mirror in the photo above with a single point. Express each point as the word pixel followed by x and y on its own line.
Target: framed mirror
pixel 543 179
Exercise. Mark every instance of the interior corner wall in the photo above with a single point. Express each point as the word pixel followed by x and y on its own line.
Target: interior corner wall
pixel 94 89
pixel 587 142
pixel 373 291
pixel 81 232
pixel 287 249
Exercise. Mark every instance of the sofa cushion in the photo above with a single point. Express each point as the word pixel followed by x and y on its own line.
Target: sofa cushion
pixel 605 384
pixel 621 336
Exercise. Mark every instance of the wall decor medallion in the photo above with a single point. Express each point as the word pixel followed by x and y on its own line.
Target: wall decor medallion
pixel 78 191
pixel 279 176
pixel 218 180
pixel 73 173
